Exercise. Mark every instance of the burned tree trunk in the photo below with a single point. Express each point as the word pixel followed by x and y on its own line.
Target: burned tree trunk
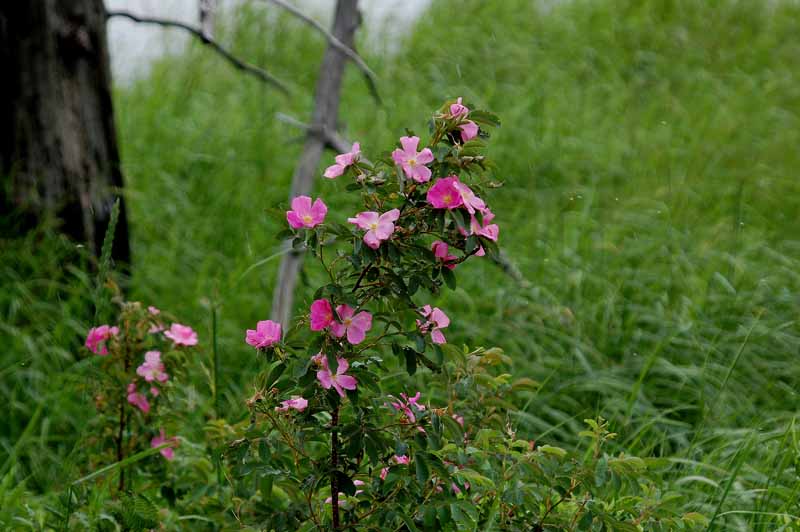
pixel 58 145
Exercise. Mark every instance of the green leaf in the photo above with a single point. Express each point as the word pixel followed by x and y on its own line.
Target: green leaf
pixel 423 473
pixel 484 118
pixel 460 218
pixel 601 472
pixel 411 360
pixel 449 278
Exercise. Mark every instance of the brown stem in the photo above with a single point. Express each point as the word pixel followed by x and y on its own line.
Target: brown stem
pixel 121 431
pixel 334 467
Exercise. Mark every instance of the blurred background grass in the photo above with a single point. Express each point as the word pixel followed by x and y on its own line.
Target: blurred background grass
pixel 649 151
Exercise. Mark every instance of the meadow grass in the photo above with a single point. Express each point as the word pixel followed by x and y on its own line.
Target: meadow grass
pixel 649 151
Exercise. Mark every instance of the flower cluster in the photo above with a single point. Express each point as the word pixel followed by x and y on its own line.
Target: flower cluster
pixel 144 376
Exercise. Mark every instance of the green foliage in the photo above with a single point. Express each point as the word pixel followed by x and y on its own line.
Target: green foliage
pixel 648 152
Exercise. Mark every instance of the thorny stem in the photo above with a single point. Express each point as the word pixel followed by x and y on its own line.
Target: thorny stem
pixel 334 467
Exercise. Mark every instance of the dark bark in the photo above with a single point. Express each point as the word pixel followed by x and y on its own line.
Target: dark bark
pixel 58 145
pixel 326 112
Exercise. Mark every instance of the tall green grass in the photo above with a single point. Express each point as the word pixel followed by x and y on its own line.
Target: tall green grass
pixel 649 154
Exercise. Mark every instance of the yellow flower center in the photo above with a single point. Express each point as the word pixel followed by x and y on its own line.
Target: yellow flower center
pixel 307 218
pixel 373 227
pixel 347 322
pixel 412 161
pixel 447 198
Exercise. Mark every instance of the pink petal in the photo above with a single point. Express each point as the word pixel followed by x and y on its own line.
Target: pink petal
pixel 409 144
pixel 348 382
pixel 318 211
pixel 389 216
pixel 425 156
pixel 469 130
pixel 301 205
pixel 421 174
pixel 399 157
pixel 384 230
pixel 355 335
pixel 337 329
pixel 372 240
pixel 439 317
pixel 294 220
pixel 324 378
pixel 437 337
pixel 333 171
pixel 362 320
pixel 344 311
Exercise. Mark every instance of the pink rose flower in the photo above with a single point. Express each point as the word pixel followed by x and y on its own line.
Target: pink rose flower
pixel 321 314
pixel 459 419
pixel 153 310
pixel 440 250
pixel 181 334
pixel 384 473
pixel 166 452
pixel 402 459
pixel 343 160
pixel 468 197
pixel 458 109
pixel 339 380
pixel 469 129
pixel 152 368
pixel 296 402
pixel 138 399
pixel 154 391
pixel 267 333
pixel 487 229
pixel 379 227
pixel 304 214
pixel 407 405
pixel 412 161
pixel 355 325
pixel 444 195
pixel 436 321
pixel 97 337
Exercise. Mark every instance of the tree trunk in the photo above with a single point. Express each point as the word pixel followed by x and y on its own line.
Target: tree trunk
pixel 58 145
pixel 326 112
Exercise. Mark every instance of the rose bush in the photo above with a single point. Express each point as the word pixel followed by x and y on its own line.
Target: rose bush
pixel 340 438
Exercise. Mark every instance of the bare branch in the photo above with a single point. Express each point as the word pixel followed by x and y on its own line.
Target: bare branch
pixel 332 139
pixel 261 74
pixel 369 75
pixel 323 118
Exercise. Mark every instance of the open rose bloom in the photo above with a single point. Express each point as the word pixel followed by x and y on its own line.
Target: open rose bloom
pixel 343 161
pixel 266 334
pixel 181 335
pixel 306 214
pixel 412 161
pixel 379 227
pixel 339 380
pixel 152 369
pixel 97 338
pixel 355 326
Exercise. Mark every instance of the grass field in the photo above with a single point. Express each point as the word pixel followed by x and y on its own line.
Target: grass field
pixel 650 156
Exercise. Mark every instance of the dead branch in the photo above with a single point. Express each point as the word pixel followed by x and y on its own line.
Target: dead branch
pixel 260 73
pixel 324 118
pixel 369 75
